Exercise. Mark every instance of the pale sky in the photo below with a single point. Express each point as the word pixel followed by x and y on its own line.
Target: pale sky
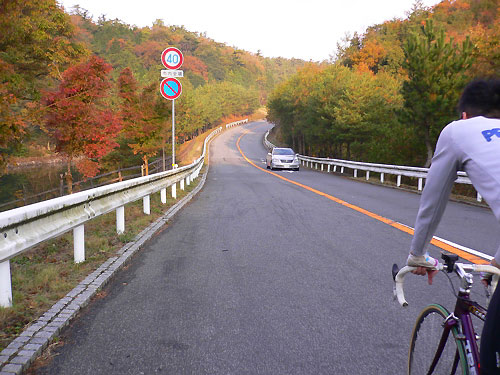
pixel 308 29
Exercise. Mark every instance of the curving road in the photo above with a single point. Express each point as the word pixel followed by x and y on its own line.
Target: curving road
pixel 259 275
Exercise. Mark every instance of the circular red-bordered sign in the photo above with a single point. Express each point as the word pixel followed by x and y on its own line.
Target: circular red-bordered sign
pixel 170 88
pixel 172 58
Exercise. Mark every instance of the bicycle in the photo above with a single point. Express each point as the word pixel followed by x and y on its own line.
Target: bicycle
pixel 433 350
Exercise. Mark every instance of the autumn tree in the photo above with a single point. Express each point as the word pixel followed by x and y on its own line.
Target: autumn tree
pixel 12 123
pixel 144 114
pixel 436 75
pixel 36 43
pixel 79 120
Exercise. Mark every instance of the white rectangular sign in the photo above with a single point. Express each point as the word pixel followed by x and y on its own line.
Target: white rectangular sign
pixel 172 73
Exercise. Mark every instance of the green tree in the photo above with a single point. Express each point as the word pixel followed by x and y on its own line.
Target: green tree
pixel 436 75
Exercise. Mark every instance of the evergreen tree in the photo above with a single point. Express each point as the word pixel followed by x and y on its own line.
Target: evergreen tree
pixel 436 75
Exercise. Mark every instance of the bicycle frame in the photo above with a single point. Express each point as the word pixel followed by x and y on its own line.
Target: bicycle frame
pixel 461 318
pixel 462 310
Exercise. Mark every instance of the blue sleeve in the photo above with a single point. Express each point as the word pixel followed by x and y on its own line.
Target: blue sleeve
pixel 440 179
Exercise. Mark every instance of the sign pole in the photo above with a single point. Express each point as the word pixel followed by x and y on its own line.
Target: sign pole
pixel 173 133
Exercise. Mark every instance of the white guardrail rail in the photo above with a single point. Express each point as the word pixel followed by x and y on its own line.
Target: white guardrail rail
pixel 25 227
pixel 383 169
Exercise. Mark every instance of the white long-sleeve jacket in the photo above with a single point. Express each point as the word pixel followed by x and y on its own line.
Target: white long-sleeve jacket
pixel 471 145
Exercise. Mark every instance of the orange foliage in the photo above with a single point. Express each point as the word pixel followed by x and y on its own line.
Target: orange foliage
pixel 232 118
pixel 363 68
pixel 150 52
pixel 81 34
pixel 196 66
pixel 451 6
pixel 252 62
pixel 121 42
pixel 370 55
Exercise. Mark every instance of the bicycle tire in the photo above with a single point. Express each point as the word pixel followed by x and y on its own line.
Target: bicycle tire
pixel 425 338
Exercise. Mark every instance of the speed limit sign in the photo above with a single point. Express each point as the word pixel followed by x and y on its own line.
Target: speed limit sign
pixel 172 58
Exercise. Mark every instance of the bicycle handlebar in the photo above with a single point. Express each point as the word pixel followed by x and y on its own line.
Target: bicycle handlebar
pixel 399 277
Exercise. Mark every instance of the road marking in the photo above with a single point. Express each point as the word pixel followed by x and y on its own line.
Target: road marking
pixel 471 255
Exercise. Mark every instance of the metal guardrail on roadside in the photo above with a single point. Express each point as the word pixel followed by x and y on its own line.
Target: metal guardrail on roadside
pixel 398 170
pixel 89 183
pixel 241 122
pixel 24 227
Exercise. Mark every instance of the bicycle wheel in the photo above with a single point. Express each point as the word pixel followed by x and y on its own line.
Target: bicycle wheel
pixel 426 355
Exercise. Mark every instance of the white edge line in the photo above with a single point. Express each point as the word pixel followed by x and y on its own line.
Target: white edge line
pixel 463 248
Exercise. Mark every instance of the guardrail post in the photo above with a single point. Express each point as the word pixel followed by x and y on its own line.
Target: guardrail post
pixel 182 184
pixel 188 180
pixel 335 168
pixel 399 180
pixel 367 175
pixel 479 198
pixel 174 191
pixel 163 195
pixel 316 166
pixel 321 167
pixel 5 284
pixel 341 169
pixel 420 184
pixel 355 173
pixel 120 220
pixel 328 168
pixel 79 243
pixel 381 177
pixel 146 205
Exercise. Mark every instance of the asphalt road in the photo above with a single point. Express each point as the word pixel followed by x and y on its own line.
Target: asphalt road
pixel 261 276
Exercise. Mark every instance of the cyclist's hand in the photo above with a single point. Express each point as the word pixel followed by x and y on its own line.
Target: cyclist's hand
pixel 425 264
pixel 494 263
pixel 486 277
pixel 423 270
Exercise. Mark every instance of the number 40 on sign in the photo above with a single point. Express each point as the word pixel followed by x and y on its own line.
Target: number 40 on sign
pixel 172 58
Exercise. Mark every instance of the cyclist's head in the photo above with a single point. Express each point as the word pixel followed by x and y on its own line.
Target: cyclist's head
pixel 481 98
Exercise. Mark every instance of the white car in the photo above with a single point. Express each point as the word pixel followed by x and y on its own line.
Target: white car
pixel 283 158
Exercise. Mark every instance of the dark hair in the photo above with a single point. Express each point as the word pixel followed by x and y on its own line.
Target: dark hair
pixel 481 98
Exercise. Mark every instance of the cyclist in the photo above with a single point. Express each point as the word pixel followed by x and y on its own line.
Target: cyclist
pixel 471 144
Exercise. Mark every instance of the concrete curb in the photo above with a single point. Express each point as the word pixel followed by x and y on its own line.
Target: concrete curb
pixel 23 350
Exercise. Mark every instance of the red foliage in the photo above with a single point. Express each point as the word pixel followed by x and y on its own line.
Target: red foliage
pixel 76 115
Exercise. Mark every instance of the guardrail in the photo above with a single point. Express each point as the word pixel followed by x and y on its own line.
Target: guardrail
pixel 89 183
pixel 383 169
pixel 25 227
pixel 230 125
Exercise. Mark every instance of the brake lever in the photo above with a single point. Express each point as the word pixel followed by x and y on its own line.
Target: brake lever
pixel 395 270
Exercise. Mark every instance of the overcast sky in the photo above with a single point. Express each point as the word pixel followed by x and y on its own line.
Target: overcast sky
pixel 307 29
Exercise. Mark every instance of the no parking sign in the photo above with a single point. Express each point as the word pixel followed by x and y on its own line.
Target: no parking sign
pixel 170 88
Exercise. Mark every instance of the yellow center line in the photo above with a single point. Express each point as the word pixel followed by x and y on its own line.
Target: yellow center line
pixel 452 249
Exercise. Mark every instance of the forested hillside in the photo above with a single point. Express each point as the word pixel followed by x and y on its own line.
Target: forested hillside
pixel 89 90
pixel 389 92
